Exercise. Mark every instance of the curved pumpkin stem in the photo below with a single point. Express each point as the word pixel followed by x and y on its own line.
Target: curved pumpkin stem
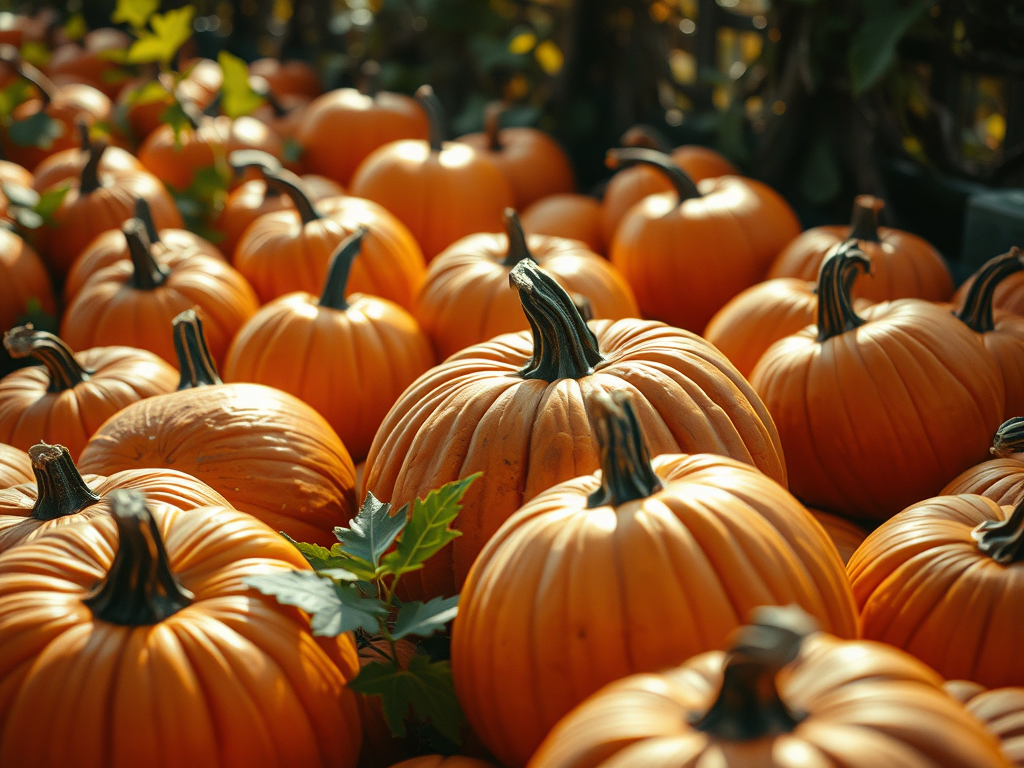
pixel 46 87
pixel 835 307
pixel 517 247
pixel 623 158
pixel 261 87
pixel 145 214
pixel 748 705
pixel 333 296
pixel 976 311
pixel 1003 540
pixel 90 179
pixel 864 221
pixel 646 137
pixel 139 589
pixel 287 183
pixel 65 372
pixel 626 472
pixel 435 115
pixel 84 140
pixel 1009 438
pixel 61 489
pixel 492 124
pixel 147 275
pixel 583 306
pixel 194 359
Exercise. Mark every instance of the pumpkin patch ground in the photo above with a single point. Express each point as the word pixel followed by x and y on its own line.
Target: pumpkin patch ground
pixel 507 384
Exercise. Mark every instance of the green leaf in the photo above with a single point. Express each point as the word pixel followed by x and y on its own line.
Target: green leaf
pixel 425 689
pixel 154 90
pixel 333 608
pixel 424 619
pixel 371 532
pixel 134 12
pixel 237 96
pixel 292 150
pixel 170 31
pixel 13 95
pixel 39 130
pixel 36 54
pixel 49 202
pixel 75 27
pixel 428 528
pixel 873 46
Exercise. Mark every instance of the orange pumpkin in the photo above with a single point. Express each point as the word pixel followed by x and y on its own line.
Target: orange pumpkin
pixel 687 253
pixel 783 695
pixel 845 534
pixel 902 264
pixel 145 100
pixel 410 177
pixel 440 761
pixel 527 393
pixel 24 283
pixel 878 412
pixel 350 358
pixel 89 61
pixel 465 299
pixel 15 466
pixel 534 164
pixel 68 164
pixel 284 115
pixel 576 217
pixel 143 618
pixel 1001 710
pixel 266 451
pixel 287 78
pixel 67 398
pixel 676 552
pixel 1002 478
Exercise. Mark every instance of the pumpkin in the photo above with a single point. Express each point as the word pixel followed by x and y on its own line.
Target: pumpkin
pixel 845 534
pixel 687 252
pixel 133 301
pixel 90 61
pixel 97 202
pixel 287 78
pixel 60 495
pixel 534 164
pixel 942 580
pixel 440 761
pixel 68 164
pixel 465 299
pixel 515 408
pixel 290 250
pixel 631 570
pixel 350 358
pixel 67 398
pixel 782 694
pixel 902 264
pixel 15 466
pixel 130 622
pixel 878 412
pixel 24 283
pixel 264 450
pixel 1001 710
pixel 284 115
pixel 366 122
pixel 576 217
pixel 145 100
pixel 1002 478
pixel 409 178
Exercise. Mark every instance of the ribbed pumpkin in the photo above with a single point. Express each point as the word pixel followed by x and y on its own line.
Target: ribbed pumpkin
pixel 878 412
pixel 120 625
pixel 944 580
pixel 576 217
pixel 631 570
pixel 440 761
pixel 24 282
pixel 265 451
pixel 533 162
pixel 1000 709
pixel 350 358
pixel 782 696
pixel 133 302
pixel 845 534
pixel 687 252
pixel 465 299
pixel 67 398
pixel 1002 478
pixel 60 495
pixel 902 264
pixel 290 250
pixel 12 173
pixel 15 466
pixel 68 164
pixel 515 408
pixel 410 177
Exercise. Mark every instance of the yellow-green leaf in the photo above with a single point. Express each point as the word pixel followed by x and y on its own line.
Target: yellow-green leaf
pixel 237 96
pixel 134 12
pixel 550 57
pixel 522 43
pixel 75 27
pixel 170 31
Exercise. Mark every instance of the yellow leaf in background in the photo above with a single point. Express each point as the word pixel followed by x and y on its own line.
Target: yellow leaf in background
pixel 237 97
pixel 134 12
pixel 550 57
pixel 522 43
pixel 36 54
pixel 75 27
pixel 170 31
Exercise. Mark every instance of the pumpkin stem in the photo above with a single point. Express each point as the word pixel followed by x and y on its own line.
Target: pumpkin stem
pixel 90 180
pixel 145 214
pixel 517 247
pixel 1003 540
pixel 864 221
pixel 46 87
pixel 333 296
pixel 748 705
pixel 435 116
pixel 623 158
pixel 563 346
pixel 261 87
pixel 194 359
pixel 626 472
pixel 147 274
pixel 646 137
pixel 835 279
pixel 976 311
pixel 492 124
pixel 242 160
pixel 1009 438
pixel 83 134
pixel 287 183
pixel 65 372
pixel 139 589
pixel 583 306
pixel 62 490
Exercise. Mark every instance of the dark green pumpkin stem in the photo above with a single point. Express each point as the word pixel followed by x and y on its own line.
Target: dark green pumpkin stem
pixel 492 124
pixel 61 490
pixel 65 372
pixel 333 296
pixel 242 160
pixel 864 221
pixel 287 183
pixel 646 137
pixel 1003 540
pixel 835 306
pixel 623 158
pixel 90 180
pixel 46 87
pixel 1009 438
pixel 626 471
pixel 139 589
pixel 563 346
pixel 147 275
pixel 261 87
pixel 748 705
pixel 583 306
pixel 435 116
pixel 84 140
pixel 976 311
pixel 517 247
pixel 194 360
pixel 145 214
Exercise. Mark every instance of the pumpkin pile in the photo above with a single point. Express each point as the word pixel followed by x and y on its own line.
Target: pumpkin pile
pixel 331 439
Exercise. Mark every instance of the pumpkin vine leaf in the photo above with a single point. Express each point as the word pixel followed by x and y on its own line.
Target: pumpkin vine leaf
pixel 333 608
pixel 38 130
pixel 371 532
pixel 135 13
pixel 238 98
pixel 424 619
pixel 170 31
